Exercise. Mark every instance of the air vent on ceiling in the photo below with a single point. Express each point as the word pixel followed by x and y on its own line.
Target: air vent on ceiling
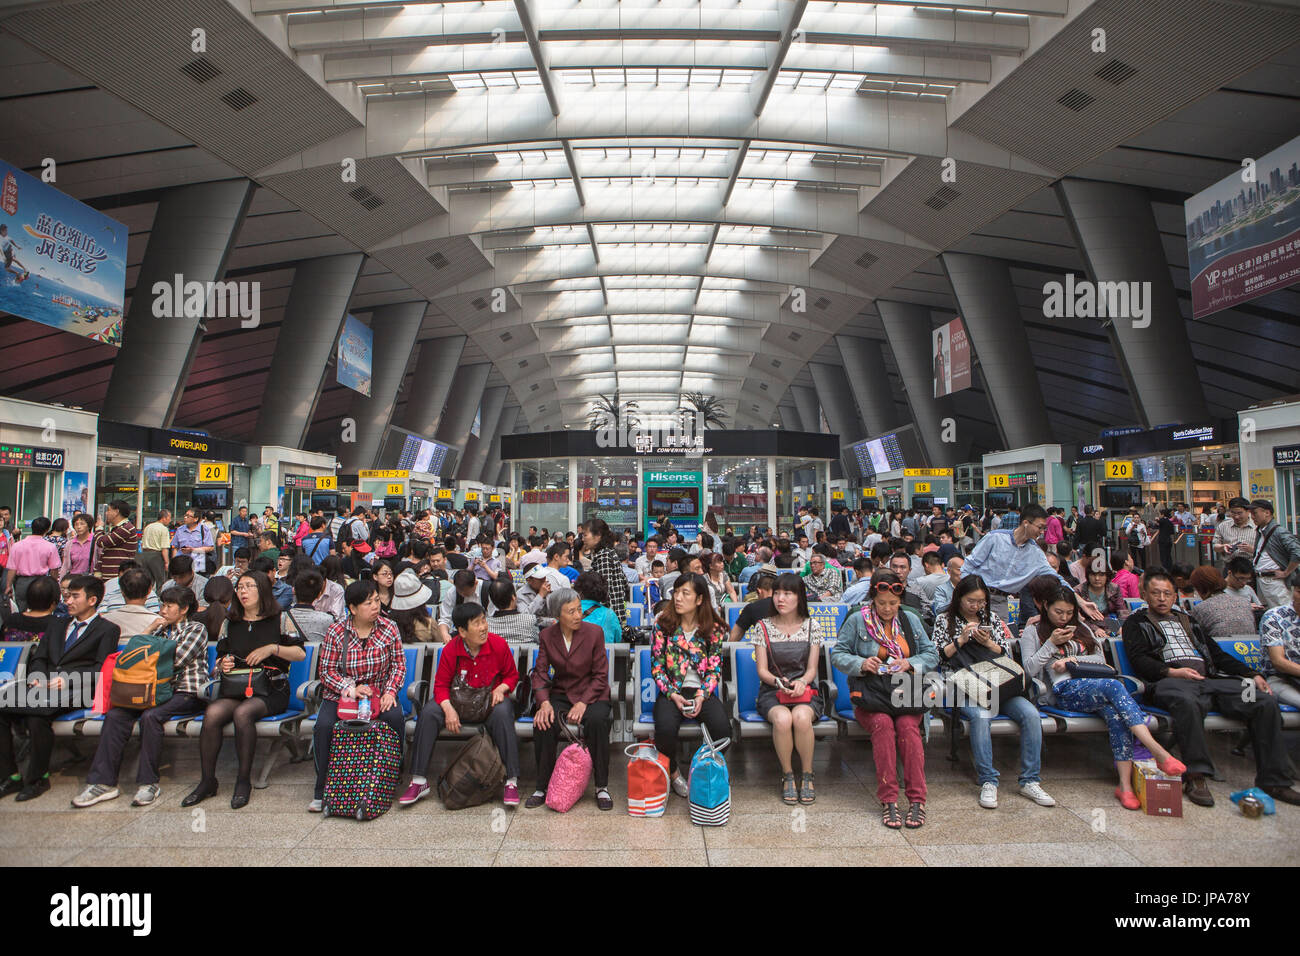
pixel 366 198
pixel 533 388
pixel 795 336
pixel 822 304
pixel 201 70
pixel 776 363
pixel 523 363
pixel 438 260
pixel 1116 71
pixel 239 99
pixel 762 386
pixel 942 197
pixel 755 407
pixel 507 336
pixel 480 303
pixel 1076 100
pixel 866 260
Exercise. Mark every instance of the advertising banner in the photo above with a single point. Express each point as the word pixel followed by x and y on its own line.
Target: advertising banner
pixel 76 493
pixel 1243 233
pixel 951 350
pixel 356 352
pixel 64 263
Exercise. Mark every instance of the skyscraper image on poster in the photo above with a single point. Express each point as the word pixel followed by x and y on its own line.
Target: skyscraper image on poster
pixel 356 351
pixel 951 351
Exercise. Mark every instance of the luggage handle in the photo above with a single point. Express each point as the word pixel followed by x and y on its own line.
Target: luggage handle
pixel 715 747
pixel 637 751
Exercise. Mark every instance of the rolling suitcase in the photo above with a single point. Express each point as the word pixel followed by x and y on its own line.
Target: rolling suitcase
pixel 365 763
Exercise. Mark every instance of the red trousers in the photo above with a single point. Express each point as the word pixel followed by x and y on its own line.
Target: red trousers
pixel 889 735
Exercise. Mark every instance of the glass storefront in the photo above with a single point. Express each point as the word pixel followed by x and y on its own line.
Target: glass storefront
pixel 543 490
pixel 799 482
pixel 30 493
pixel 150 483
pixel 607 488
pixel 737 492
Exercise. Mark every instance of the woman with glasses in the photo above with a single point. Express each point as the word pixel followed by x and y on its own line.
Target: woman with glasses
pixel 880 639
pixel 970 632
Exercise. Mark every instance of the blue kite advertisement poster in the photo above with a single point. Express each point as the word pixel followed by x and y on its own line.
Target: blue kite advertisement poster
pixel 76 493
pixel 356 349
pixel 64 263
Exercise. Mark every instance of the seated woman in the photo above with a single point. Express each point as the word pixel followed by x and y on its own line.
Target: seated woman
pixel 313 624
pixel 516 626
pixel 1059 639
pixel 218 595
pixel 965 634
pixel 410 609
pixel 720 586
pixel 384 579
pixel 595 605
pixel 1220 614
pixel 787 646
pixel 571 685
pixel 374 667
pixel 1122 576
pixel 881 639
pixel 686 665
pixel 486 660
pixel 1101 590
pixel 256 634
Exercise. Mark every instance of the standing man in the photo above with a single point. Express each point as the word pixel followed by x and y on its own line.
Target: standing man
pixel 155 548
pixel 30 558
pixel 1277 555
pixel 194 539
pixel 241 530
pixel 117 543
pixel 1236 533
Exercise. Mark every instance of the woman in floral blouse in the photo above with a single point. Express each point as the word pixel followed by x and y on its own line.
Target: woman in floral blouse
pixel 686 664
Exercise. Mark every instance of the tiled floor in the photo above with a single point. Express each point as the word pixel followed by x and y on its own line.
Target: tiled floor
pixel 1087 827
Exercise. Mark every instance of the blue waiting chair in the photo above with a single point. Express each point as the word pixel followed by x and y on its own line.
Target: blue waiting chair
pixel 744 710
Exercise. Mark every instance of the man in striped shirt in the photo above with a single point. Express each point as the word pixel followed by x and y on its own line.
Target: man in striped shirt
pixel 118 542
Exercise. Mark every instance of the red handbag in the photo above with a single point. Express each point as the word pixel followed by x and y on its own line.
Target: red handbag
pixel 782 697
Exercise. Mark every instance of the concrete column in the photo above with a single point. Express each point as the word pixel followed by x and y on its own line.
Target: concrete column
pixel 193 231
pixel 805 399
pixel 506 426
pixel 395 328
pixel 313 316
pixel 864 365
pixel 789 418
pixel 908 328
pixel 771 494
pixel 466 393
pixel 986 299
pixel 476 449
pixel 1116 232
pixel 435 367
pixel 836 399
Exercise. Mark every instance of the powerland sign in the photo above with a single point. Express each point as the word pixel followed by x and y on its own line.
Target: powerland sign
pixel 1243 233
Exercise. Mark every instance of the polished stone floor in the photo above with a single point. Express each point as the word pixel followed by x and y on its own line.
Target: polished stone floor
pixel 1087 827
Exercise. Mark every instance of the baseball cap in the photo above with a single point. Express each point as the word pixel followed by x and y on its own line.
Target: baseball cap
pixel 537 571
pixel 361 547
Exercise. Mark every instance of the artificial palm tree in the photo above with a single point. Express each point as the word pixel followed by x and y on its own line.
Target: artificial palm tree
pixel 609 412
pixel 707 409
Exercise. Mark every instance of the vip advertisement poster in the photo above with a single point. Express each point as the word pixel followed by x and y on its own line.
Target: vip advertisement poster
pixel 64 263
pixel 1243 233
pixel 951 350
pixel 356 352
pixel 76 493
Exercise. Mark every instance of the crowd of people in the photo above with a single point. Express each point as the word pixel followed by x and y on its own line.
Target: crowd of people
pixel 935 593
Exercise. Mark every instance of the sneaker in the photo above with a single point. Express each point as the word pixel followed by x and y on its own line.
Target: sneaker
pixel 413 793
pixel 511 798
pixel 93 794
pixel 1035 792
pixel 989 796
pixel 316 806
pixel 146 794
pixel 681 787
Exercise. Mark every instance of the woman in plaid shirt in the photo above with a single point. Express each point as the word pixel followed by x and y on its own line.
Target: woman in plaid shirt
pixel 604 561
pixel 375 667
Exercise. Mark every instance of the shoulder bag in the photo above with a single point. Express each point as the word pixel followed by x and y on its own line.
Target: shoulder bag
pixel 875 693
pixel 473 704
pixel 981 677
pixel 1084 670
pixel 782 696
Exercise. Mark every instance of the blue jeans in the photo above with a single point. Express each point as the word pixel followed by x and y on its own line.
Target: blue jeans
pixel 1023 713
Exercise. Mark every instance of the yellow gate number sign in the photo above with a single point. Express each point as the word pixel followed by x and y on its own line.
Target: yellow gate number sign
pixel 921 488
pixel 398 489
pixel 214 471
pixel 1119 469
pixel 445 493
pixel 869 493
pixel 999 481
pixel 471 496
pixel 837 495
pixel 327 483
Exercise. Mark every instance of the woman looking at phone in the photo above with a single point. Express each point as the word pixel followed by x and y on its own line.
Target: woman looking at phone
pixel 970 632
pixel 786 647
pixel 686 665
pixel 1060 640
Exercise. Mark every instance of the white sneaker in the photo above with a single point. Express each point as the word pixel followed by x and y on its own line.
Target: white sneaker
pixel 1035 792
pixel 681 787
pixel 989 796
pixel 146 794
pixel 93 794
pixel 316 806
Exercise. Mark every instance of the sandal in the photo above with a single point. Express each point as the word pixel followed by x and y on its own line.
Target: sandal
pixel 889 816
pixel 916 816
pixel 788 792
pixel 807 792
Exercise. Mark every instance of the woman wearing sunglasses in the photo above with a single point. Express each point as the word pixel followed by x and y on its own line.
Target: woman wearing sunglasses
pixel 883 638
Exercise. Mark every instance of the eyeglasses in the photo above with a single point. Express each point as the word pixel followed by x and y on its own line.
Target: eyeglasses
pixel 885 586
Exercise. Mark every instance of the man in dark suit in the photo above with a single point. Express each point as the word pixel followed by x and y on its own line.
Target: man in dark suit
pixel 73 646
pixel 1090 532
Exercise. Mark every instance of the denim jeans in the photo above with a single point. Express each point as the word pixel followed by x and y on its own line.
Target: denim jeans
pixel 1023 713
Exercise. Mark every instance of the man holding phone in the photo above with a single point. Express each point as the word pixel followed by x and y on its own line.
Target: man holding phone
pixel 1236 533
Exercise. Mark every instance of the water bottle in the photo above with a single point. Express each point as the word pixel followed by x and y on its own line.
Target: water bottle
pixel 363 708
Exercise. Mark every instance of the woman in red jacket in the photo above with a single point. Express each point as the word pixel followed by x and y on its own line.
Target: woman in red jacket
pixel 485 660
pixel 571 685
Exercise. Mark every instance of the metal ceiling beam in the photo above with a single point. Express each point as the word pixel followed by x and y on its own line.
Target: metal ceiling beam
pixel 782 48
pixel 524 9
pixel 572 162
pixel 735 172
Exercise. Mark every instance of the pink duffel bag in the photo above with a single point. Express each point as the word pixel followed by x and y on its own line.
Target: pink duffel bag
pixel 571 775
